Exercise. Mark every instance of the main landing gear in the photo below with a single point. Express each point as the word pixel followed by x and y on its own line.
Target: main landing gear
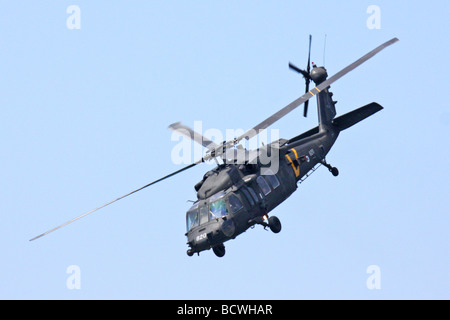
pixel 219 250
pixel 334 171
pixel 273 222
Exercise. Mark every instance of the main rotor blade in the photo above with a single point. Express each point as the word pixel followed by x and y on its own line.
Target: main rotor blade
pixel 281 113
pixel 126 195
pixel 195 136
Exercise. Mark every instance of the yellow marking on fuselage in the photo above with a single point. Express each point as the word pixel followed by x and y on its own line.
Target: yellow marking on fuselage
pixel 296 170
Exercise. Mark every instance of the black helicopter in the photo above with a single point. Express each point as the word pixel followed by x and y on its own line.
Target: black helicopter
pixel 240 192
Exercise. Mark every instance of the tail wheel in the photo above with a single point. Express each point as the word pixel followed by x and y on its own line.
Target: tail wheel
pixel 274 224
pixel 334 171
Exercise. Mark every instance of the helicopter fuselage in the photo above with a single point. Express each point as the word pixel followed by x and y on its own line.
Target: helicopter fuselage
pixel 234 197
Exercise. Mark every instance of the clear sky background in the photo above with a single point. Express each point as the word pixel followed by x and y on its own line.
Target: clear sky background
pixel 84 116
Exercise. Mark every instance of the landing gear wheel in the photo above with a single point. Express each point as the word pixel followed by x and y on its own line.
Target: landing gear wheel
pixel 219 250
pixel 334 171
pixel 274 224
pixel 190 252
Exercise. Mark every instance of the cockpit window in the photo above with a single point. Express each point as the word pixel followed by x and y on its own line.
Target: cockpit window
pixel 191 218
pixel 203 214
pixel 218 209
pixel 217 196
pixel 263 185
pixel 235 203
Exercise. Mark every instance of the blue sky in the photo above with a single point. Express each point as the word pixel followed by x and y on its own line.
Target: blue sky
pixel 84 116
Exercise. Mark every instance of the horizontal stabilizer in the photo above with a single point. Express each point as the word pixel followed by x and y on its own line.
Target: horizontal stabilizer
pixel 349 119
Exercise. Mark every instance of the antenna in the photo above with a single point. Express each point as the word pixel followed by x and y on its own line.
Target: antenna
pixel 324 47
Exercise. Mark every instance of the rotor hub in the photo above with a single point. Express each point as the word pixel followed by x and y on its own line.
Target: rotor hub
pixel 318 75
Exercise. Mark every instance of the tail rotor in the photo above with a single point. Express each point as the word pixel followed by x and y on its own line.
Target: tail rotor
pixel 306 75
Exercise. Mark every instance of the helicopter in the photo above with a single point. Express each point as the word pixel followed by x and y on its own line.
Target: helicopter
pixel 240 193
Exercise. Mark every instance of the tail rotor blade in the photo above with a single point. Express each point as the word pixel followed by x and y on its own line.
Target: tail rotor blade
pixel 305 109
pixel 297 69
pixel 308 67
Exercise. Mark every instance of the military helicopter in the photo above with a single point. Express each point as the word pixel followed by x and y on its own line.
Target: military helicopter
pixel 239 193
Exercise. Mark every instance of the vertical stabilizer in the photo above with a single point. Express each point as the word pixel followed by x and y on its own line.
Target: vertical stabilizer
pixel 325 108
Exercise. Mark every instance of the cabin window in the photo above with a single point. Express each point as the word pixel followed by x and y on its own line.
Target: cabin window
pixel 253 193
pixel 248 196
pixel 203 214
pixel 262 183
pixel 272 178
pixel 191 218
pixel 234 202
pixel 218 209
